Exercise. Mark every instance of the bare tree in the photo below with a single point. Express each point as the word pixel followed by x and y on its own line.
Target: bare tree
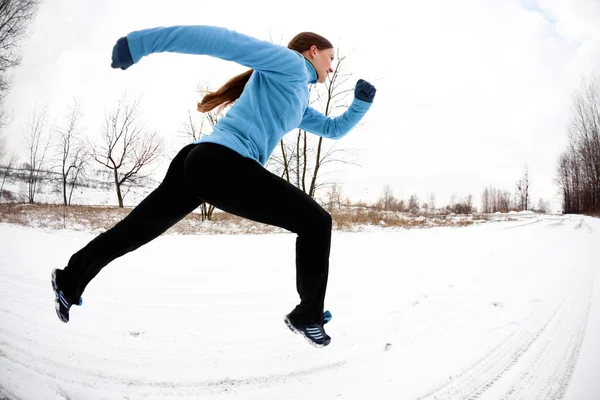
pixel 126 147
pixel 3 146
pixel 469 204
pixel 565 180
pixel 431 204
pixel 37 140
pixel 452 200
pixel 542 206
pixel 504 201
pixel 7 169
pixel 523 190
pixel 578 173
pixel 8 166
pixel 334 197
pixel 494 200
pixel 15 18
pixel 190 129
pixel 335 98
pixel 413 204
pixel 486 203
pixel 387 201
pixel 464 205
pixel 72 152
pixel 194 132
pixel 301 159
pixel 401 206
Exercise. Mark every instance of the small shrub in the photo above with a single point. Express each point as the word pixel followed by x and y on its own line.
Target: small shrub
pixel 8 196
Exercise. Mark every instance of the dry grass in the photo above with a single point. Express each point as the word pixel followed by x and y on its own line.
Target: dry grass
pixel 55 216
pixel 100 218
pixel 349 220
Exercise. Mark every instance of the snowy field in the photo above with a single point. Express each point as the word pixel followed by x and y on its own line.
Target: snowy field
pixel 99 193
pixel 501 310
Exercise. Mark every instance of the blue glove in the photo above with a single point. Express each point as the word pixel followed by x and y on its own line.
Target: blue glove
pixel 364 91
pixel 121 56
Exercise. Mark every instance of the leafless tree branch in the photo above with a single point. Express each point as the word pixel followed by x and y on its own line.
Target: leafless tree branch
pixel 126 147
pixel 37 140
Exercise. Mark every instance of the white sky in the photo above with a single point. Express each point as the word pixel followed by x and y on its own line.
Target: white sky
pixel 468 91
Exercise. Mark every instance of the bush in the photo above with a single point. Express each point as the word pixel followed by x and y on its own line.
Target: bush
pixel 8 196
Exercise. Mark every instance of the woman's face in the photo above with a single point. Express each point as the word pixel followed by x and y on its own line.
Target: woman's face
pixel 321 59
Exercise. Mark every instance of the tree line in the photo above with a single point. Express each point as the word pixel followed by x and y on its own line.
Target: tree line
pixel 126 149
pixel 492 200
pixel 578 171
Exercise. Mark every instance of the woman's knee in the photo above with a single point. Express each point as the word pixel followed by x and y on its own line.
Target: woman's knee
pixel 318 221
pixel 327 221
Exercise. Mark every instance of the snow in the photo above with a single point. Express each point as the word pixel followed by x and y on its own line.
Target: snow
pixel 526 212
pixel 98 192
pixel 502 310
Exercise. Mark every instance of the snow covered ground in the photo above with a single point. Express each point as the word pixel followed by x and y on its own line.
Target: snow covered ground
pixel 502 310
pixel 100 192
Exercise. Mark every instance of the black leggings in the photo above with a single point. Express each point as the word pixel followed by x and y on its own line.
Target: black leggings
pixel 232 183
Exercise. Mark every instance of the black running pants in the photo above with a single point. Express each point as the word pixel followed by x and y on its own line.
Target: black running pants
pixel 212 173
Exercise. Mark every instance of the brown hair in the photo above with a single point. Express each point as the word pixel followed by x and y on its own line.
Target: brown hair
pixel 233 88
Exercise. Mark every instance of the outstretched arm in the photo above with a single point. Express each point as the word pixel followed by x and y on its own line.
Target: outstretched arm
pixel 216 42
pixel 335 128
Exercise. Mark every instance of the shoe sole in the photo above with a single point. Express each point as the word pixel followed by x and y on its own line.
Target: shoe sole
pixel 56 297
pixel 299 332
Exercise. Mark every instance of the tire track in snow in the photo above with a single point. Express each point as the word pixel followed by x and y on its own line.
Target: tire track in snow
pixel 536 221
pixel 583 224
pixel 31 355
pixel 60 373
pixel 5 395
pixel 555 363
pixel 560 330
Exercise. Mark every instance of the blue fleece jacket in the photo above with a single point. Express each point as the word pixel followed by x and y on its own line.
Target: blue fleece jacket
pixel 275 99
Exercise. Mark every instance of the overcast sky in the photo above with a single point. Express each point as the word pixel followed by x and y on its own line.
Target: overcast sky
pixel 468 91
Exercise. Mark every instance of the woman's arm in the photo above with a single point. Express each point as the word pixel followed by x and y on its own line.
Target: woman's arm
pixel 216 42
pixel 334 128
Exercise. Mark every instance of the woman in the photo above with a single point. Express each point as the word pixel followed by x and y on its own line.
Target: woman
pixel 268 101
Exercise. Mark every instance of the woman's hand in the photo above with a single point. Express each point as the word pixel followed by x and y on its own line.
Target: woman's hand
pixel 121 56
pixel 364 91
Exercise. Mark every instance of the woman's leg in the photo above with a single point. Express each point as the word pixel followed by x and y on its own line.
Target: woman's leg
pixel 243 187
pixel 160 210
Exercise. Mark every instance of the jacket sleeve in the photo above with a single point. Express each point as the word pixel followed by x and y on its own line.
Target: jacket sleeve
pixel 334 128
pixel 217 42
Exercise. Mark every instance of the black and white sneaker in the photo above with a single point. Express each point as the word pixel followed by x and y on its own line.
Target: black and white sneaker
pixel 61 303
pixel 314 333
